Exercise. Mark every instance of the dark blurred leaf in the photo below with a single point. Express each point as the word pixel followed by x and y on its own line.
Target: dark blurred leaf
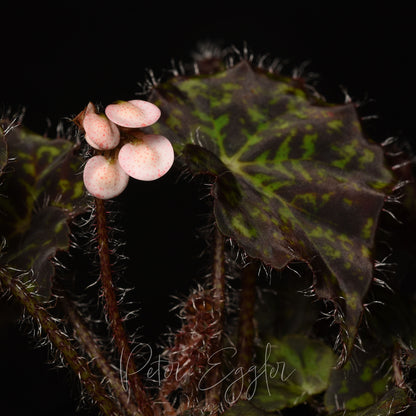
pixel 293 369
pixel 245 408
pixel 3 153
pixel 42 190
pixel 283 308
pixel 392 319
pixel 295 178
pixel 361 382
pixel 394 401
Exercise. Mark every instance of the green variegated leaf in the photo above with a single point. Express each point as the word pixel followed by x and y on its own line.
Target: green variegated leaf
pixel 393 402
pixel 42 190
pixel 293 369
pixel 295 178
pixel 360 383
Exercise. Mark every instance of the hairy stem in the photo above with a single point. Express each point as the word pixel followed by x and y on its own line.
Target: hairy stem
pixel 213 395
pixel 61 341
pixel 93 350
pixel 113 312
pixel 245 344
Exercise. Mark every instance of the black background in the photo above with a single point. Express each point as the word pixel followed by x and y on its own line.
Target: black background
pixel 57 57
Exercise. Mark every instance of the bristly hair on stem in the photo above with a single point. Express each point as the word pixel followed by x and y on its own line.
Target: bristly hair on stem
pixel 60 340
pixel 113 313
pixel 188 372
pixel 213 395
pixel 88 343
pixel 246 330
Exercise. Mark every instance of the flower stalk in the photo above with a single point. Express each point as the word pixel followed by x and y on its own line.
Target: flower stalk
pixel 213 396
pixel 113 313
pixel 245 345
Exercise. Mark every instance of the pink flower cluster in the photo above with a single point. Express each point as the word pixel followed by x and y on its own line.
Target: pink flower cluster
pixel 125 150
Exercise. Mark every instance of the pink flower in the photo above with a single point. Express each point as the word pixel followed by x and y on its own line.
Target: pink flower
pixel 133 114
pixel 100 132
pixel 104 177
pixel 128 152
pixel 148 158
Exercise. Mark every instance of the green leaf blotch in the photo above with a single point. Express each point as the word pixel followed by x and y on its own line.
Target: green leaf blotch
pixel 42 191
pixel 295 178
pixel 297 369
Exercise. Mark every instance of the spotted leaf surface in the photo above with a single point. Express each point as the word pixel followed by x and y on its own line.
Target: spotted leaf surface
pixel 360 383
pixel 42 190
pixel 295 178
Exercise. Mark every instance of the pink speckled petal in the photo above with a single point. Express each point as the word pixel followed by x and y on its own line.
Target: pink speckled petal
pixel 133 114
pixel 100 132
pixel 103 178
pixel 147 159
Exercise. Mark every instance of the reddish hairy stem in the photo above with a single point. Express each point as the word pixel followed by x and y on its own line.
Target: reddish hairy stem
pixel 245 343
pixel 213 396
pixel 61 341
pixel 113 312
pixel 87 341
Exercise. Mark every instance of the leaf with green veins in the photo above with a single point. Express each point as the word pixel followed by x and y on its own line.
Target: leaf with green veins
pixel 360 383
pixel 295 179
pixel 42 191
pixel 293 369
